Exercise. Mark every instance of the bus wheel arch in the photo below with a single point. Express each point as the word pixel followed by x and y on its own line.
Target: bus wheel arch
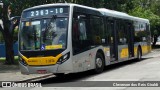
pixel 99 61
pixel 139 53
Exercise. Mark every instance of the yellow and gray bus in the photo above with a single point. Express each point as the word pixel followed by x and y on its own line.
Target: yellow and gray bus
pixel 68 38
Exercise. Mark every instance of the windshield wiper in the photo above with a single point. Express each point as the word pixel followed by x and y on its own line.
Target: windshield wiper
pixel 52 19
pixel 48 27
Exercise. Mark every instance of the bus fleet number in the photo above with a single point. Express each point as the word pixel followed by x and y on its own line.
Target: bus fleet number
pixel 46 12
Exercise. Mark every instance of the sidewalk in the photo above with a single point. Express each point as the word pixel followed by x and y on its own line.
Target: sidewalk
pixel 12 73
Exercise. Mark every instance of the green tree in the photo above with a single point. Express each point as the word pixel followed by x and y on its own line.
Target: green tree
pixel 7 30
pixel 148 9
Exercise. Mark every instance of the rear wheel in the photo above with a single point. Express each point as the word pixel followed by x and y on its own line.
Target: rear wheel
pixel 139 54
pixel 99 62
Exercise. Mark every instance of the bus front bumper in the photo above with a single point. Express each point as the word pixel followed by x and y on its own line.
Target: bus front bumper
pixel 38 69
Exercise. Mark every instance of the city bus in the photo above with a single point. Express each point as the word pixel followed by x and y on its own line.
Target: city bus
pixel 65 38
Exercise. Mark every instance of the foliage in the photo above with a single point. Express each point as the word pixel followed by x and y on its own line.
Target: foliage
pixel 148 14
pixel 148 9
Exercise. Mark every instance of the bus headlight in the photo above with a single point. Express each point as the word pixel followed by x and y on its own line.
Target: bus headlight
pixel 22 61
pixel 64 58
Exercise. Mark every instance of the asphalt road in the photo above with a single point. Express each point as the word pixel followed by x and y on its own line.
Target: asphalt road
pixel 147 69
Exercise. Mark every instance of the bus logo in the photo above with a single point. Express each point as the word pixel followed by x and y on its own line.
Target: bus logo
pixel 43 47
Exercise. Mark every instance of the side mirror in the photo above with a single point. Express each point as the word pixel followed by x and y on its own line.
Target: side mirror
pixel 15 18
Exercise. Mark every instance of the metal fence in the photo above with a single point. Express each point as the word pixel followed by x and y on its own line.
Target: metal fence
pixel 3 51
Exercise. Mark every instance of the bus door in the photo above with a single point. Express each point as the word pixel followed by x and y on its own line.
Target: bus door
pixel 113 40
pixel 130 34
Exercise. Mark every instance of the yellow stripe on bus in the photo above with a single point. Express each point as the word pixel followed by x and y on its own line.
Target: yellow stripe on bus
pixel 49 47
pixel 106 49
pixel 135 51
pixel 35 61
pixel 124 53
pixel 146 49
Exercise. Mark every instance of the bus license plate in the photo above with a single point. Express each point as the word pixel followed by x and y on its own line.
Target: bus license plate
pixel 41 71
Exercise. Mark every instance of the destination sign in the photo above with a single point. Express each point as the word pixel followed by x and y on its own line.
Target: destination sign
pixel 45 11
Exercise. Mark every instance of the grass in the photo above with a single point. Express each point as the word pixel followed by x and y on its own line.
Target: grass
pixel 15 59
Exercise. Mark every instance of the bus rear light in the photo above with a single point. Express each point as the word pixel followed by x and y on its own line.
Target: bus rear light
pixel 64 58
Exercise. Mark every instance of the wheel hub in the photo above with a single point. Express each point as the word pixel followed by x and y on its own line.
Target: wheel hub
pixel 99 62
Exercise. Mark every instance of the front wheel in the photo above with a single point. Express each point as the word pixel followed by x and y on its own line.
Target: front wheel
pixel 99 62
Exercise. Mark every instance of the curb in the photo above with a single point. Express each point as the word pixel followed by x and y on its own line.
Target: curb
pixel 37 78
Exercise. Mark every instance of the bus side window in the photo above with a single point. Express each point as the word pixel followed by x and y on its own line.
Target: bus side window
pixel 107 33
pixel 80 40
pixel 97 27
pixel 75 32
pixel 110 29
pixel 122 31
pixel 82 29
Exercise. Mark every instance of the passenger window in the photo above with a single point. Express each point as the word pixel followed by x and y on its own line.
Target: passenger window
pixel 82 29
pixel 97 27
pixel 122 32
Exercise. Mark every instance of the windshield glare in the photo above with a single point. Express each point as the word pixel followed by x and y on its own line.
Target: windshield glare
pixel 45 34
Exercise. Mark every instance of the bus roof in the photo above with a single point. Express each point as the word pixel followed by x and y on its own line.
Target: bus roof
pixel 103 11
pixel 60 4
pixel 123 15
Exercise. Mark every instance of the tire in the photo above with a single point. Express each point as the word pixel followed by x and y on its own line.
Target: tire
pixel 99 63
pixel 139 54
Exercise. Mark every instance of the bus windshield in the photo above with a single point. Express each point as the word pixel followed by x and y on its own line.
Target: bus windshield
pixel 44 34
